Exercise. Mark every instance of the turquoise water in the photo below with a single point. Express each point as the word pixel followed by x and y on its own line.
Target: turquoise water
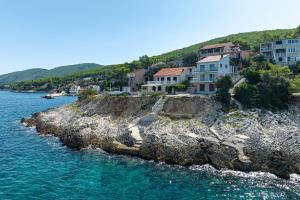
pixel 40 167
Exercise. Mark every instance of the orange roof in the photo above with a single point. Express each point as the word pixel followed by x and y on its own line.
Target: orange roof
pixel 228 44
pixel 211 59
pixel 170 72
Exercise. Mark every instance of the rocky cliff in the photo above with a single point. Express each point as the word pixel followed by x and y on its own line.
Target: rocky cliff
pixel 180 130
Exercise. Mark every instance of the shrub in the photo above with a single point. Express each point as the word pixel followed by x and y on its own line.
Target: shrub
pixel 295 85
pixel 223 85
pixel 247 94
pixel 252 76
pixel 87 94
pixel 179 87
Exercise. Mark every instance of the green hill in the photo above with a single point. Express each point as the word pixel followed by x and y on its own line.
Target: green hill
pixel 117 73
pixel 38 73
pixel 248 40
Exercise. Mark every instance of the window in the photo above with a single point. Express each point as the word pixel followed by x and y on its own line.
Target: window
pixel 278 42
pixel 202 68
pixel 226 66
pixel 292 50
pixel 168 78
pixel 202 77
pixel 174 78
pixel 211 87
pixel 202 87
pixel 211 77
pixel 280 59
pixel 162 79
pixel 212 67
pixel 292 41
pixel 289 59
pixel 221 65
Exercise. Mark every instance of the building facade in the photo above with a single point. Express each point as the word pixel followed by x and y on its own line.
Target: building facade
pixel 74 90
pixel 207 71
pixel 228 48
pixel 282 52
pixel 167 77
pixel 136 79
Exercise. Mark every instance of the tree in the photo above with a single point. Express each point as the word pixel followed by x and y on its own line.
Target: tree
pixel 223 85
pixel 145 61
pixel 295 85
pixel 252 76
pixel 265 88
pixel 297 32
pixel 247 94
pixel 190 59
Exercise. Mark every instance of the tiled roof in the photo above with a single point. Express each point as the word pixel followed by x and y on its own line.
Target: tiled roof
pixel 228 44
pixel 170 72
pixel 211 59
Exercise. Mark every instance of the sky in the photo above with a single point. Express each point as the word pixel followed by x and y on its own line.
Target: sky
pixel 51 33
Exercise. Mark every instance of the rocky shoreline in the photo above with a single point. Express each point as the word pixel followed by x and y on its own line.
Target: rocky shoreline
pixel 180 130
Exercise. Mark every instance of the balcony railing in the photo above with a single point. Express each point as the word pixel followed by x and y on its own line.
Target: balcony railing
pixel 197 80
pixel 206 70
pixel 265 49
pixel 166 82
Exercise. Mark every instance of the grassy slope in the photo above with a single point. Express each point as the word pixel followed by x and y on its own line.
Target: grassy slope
pixel 33 74
pixel 253 39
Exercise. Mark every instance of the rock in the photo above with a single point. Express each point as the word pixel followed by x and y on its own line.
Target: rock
pixel 252 140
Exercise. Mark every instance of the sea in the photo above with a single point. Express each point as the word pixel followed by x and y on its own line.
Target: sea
pixel 34 166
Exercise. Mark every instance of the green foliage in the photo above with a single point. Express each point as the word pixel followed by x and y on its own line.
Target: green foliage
pixel 190 59
pixel 86 94
pixel 247 94
pixel 33 74
pixel 295 85
pixel 252 76
pixel 223 85
pixel 297 32
pixel 179 87
pixel 295 68
pixel 265 88
pixel 116 74
pixel 145 61
pixel 248 40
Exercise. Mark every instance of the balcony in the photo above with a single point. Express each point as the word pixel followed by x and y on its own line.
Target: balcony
pixel 266 49
pixel 283 55
pixel 165 82
pixel 197 80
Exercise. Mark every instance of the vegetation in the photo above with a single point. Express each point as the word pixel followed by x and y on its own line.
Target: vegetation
pixel 223 85
pixel 190 59
pixel 33 74
pixel 267 88
pixel 295 85
pixel 116 75
pixel 86 94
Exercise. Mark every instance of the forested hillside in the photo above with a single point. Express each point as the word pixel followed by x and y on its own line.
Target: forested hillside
pixel 116 74
pixel 38 73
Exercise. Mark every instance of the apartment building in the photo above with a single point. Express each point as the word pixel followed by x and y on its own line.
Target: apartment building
pixel 282 52
pixel 207 71
pixel 228 48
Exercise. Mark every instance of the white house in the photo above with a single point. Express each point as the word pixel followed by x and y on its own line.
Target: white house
pixel 207 71
pixel 74 90
pixel 166 77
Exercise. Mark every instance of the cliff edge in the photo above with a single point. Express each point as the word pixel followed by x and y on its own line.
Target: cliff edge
pixel 180 130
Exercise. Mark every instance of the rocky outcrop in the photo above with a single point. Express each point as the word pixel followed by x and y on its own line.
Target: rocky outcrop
pixel 183 131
